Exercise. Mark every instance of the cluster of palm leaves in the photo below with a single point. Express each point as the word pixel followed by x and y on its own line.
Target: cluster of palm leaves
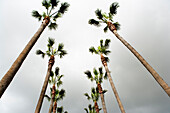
pixel 50 6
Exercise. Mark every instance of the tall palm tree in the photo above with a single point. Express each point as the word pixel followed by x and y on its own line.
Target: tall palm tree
pixel 48 19
pixel 98 77
pixel 103 49
pixel 90 109
pixel 113 27
pixel 51 52
pixel 94 97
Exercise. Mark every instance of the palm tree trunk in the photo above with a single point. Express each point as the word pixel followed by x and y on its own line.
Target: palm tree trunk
pixel 7 78
pixel 52 100
pixel 102 97
pixel 160 81
pixel 55 107
pixel 96 107
pixel 112 84
pixel 43 90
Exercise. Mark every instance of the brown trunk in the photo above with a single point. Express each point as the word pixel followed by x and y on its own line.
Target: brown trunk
pixel 55 107
pixel 7 78
pixel 102 97
pixel 160 81
pixel 112 84
pixel 43 90
pixel 96 107
pixel 52 99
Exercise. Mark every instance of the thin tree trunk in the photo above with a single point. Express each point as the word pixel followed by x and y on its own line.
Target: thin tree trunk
pixel 102 98
pixel 7 78
pixel 52 99
pixel 43 90
pixel 112 84
pixel 55 107
pixel 96 107
pixel 157 77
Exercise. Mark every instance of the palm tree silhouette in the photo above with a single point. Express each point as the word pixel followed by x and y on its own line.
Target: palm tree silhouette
pixel 51 52
pixel 48 19
pixel 103 49
pixel 113 27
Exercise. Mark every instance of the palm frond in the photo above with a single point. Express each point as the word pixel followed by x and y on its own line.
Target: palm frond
pixel 59 83
pixel 64 7
pixel 106 52
pixel 117 25
pixel 104 91
pixel 48 98
pixel 86 110
pixel 36 15
pixel 105 76
pixel 62 53
pixel 101 71
pixel 39 52
pixel 93 50
pixel 60 46
pixel 94 22
pixel 60 109
pixel 46 4
pixel 58 15
pixel 113 8
pixel 51 42
pixel 62 93
pixel 87 95
pixel 107 41
pixel 106 29
pixel 89 75
pixel 95 71
pixel 107 59
pixel 44 15
pixel 51 73
pixel 57 71
pixel 54 3
pixel 52 26
pixel 99 14
pixel 101 43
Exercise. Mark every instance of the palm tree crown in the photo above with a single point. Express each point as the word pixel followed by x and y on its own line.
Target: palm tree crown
pixel 106 17
pixel 50 6
pixel 51 51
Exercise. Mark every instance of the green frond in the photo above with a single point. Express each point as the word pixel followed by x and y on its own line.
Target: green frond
pixel 89 75
pixel 87 95
pixel 48 53
pixel 39 52
pixel 51 74
pixel 60 109
pixel 36 15
pixel 52 26
pixel 62 53
pixel 101 71
pixel 60 46
pixel 47 97
pixel 106 29
pixel 62 93
pixel 99 14
pixel 59 83
pixel 106 52
pixel 95 71
pixel 101 43
pixel 44 15
pixel 117 25
pixel 107 42
pixel 86 110
pixel 107 59
pixel 58 15
pixel 64 7
pixel 105 76
pixel 51 42
pixel 57 71
pixel 54 3
pixel 93 50
pixel 104 91
pixel 94 22
pixel 113 8
pixel 46 4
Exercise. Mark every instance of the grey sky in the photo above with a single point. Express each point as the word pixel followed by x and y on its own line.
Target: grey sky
pixel 144 24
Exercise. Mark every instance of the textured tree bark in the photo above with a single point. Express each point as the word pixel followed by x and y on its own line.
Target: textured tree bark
pixel 43 90
pixel 157 77
pixel 55 107
pixel 52 99
pixel 102 97
pixel 96 107
pixel 8 77
pixel 112 84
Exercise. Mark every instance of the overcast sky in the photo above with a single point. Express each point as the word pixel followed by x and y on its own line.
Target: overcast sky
pixel 144 24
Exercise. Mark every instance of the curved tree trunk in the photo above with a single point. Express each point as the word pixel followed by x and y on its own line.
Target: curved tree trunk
pixel 112 84
pixel 102 98
pixel 52 100
pixel 160 81
pixel 7 78
pixel 43 90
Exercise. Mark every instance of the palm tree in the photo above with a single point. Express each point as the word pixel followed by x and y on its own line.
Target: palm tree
pixel 49 19
pixel 103 49
pixel 113 27
pixel 94 97
pixel 98 77
pixel 90 109
pixel 51 52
